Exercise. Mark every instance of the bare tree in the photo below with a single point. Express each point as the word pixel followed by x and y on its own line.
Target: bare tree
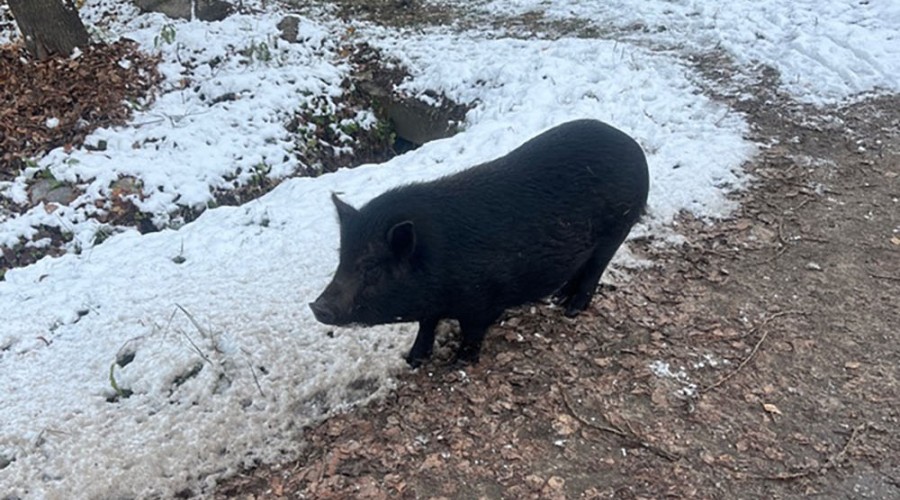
pixel 49 26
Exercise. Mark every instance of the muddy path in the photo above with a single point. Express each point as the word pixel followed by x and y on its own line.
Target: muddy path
pixel 759 359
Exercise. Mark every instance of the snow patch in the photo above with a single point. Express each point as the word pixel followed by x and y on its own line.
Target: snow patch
pixel 662 369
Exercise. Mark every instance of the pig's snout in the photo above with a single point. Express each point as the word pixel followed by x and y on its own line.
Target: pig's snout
pixel 323 312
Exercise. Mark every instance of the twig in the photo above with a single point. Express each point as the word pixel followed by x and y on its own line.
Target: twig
pixel 169 322
pixel 188 337
pixel 630 437
pixel 806 237
pixel 752 352
pixel 884 277
pixel 255 378
pixel 253 372
pixel 781 237
pixel 775 257
pixel 733 255
pixel 832 462
pixel 191 317
pixel 802 204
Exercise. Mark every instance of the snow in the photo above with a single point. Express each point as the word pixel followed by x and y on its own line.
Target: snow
pixel 662 369
pixel 227 293
pixel 825 51
pixel 541 83
pixel 183 147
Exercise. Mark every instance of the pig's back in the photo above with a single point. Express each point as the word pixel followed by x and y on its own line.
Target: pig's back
pixel 580 171
pixel 572 157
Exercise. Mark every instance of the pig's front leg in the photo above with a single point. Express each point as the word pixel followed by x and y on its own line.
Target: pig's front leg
pixel 422 347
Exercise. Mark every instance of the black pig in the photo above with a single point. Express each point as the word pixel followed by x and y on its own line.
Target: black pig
pixel 545 218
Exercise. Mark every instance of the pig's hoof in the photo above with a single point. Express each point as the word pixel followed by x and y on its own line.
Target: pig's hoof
pixel 460 363
pixel 576 305
pixel 466 356
pixel 416 360
pixel 571 312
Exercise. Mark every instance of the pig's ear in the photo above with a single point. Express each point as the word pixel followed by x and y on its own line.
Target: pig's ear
pixel 345 211
pixel 402 239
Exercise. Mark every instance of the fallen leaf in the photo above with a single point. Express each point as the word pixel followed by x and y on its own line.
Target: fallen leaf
pixel 565 425
pixel 276 484
pixel 432 461
pixel 659 396
pixel 504 358
pixel 534 481
pixel 769 407
pixel 556 482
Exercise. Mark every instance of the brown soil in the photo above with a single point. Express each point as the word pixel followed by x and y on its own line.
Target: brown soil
pixel 784 317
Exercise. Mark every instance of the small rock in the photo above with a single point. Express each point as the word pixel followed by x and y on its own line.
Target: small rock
pixel 100 146
pixel 124 358
pixel 812 266
pixel 176 9
pixel 213 10
pixel 206 10
pixel 51 191
pixel 290 28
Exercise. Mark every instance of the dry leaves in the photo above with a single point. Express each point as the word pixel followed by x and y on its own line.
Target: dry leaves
pixel 57 102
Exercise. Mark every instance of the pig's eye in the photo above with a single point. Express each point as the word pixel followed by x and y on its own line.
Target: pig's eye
pixel 370 269
pixel 372 274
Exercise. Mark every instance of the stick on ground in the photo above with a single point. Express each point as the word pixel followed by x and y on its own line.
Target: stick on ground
pixel 630 437
pixel 746 360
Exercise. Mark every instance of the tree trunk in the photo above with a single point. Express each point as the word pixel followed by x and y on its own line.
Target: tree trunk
pixel 50 27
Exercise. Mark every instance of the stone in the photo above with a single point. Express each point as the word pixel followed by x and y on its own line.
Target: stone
pixel 51 191
pixel 206 10
pixel 213 10
pixel 290 28
pixel 176 9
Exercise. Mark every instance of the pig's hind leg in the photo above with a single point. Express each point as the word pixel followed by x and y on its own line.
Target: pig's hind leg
pixel 577 293
pixel 472 331
pixel 424 344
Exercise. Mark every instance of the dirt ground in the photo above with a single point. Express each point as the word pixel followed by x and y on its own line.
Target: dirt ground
pixel 784 318
pixel 760 359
